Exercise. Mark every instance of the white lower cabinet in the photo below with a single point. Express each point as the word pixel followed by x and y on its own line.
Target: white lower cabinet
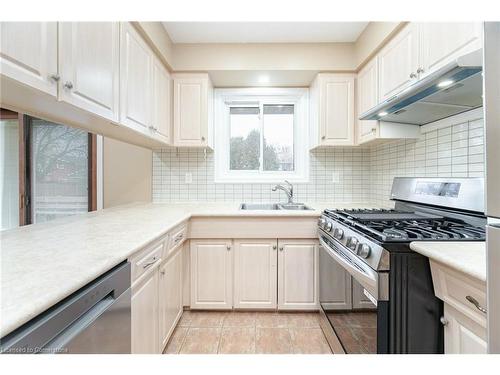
pixel 298 274
pixel 170 296
pixel 359 299
pixel 332 273
pixel 211 274
pixel 462 335
pixel 145 314
pixel 255 273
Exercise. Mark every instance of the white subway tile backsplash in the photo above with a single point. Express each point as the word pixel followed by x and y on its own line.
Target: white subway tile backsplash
pixel 337 175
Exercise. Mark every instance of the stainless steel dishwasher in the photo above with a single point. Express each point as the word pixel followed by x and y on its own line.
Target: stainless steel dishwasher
pixel 94 319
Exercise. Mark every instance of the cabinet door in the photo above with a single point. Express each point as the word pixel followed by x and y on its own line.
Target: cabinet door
pixel 255 273
pixel 334 285
pixel 89 63
pixel 359 299
pixel 367 95
pixel 145 315
pixel 462 335
pixel 161 101
pixel 135 81
pixel 190 111
pixel 28 54
pixel 170 296
pixel 337 109
pixel 442 42
pixel 298 275
pixel 211 274
pixel 398 62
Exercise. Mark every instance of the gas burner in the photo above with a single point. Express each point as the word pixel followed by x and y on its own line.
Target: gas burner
pixel 403 226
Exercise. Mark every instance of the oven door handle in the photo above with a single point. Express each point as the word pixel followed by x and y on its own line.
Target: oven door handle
pixel 368 278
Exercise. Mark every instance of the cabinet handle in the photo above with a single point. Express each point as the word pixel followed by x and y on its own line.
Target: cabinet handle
pixel 413 75
pixel 228 248
pixel 475 303
pixel 150 263
pixel 281 248
pixel 443 321
pixel 274 247
pixel 420 70
pixel 68 85
pixel 178 238
pixel 162 272
pixel 55 77
pixel 203 139
pixel 323 137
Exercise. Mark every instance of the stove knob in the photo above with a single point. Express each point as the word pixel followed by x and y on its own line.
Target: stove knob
pixel 338 234
pixel 363 250
pixel 328 227
pixel 351 243
pixel 321 223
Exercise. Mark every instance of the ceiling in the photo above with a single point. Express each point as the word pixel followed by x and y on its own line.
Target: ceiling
pixel 264 32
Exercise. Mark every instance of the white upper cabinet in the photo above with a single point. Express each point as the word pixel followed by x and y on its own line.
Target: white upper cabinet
pixel 298 275
pixel 367 98
pixel 135 83
pixel 332 110
pixel 211 274
pixel 255 273
pixel 193 110
pixel 28 54
pixel 444 42
pixel 89 66
pixel 162 98
pixel 398 62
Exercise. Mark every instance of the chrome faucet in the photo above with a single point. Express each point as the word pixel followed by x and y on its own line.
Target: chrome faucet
pixel 287 189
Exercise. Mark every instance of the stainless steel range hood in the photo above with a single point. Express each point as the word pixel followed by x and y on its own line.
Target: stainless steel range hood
pixel 453 89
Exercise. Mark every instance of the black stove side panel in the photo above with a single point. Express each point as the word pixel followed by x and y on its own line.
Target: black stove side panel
pixel 414 313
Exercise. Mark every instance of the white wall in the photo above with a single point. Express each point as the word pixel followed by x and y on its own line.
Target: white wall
pixel 127 173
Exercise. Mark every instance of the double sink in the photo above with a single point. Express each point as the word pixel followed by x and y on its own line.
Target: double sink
pixel 274 206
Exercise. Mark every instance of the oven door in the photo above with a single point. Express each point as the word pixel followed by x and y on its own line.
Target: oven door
pixel 348 318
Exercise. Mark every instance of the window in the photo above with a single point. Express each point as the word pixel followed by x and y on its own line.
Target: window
pixel 49 170
pixel 261 135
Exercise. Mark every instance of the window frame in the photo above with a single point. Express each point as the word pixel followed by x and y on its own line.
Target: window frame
pixel 250 97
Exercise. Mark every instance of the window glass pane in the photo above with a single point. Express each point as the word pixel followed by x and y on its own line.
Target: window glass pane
pixel 9 169
pixel 278 138
pixel 60 170
pixel 245 138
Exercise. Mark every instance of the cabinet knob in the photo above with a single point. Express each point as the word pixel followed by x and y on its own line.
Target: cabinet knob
pixel 443 321
pixel 68 85
pixel 162 272
pixel 274 247
pixel 228 248
pixel 323 137
pixel 281 248
pixel 413 75
pixel 203 139
pixel 420 70
pixel 55 77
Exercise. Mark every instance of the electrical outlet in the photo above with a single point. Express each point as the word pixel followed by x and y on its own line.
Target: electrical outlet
pixel 188 179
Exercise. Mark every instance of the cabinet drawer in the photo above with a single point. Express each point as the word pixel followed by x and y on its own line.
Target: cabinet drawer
pixel 460 291
pixel 177 236
pixel 146 260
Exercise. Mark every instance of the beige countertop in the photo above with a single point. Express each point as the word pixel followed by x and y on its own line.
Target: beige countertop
pixel 464 256
pixel 43 263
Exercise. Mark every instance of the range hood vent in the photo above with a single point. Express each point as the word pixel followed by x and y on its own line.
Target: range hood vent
pixel 453 89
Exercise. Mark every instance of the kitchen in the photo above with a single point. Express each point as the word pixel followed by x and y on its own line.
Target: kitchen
pixel 249 187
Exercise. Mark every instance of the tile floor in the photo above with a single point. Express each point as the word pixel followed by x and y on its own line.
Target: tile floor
pixel 356 330
pixel 203 332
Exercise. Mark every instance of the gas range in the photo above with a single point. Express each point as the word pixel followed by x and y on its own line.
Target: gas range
pixel 373 247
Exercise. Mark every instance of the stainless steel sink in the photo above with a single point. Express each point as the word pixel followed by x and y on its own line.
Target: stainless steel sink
pixel 293 206
pixel 259 206
pixel 274 206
